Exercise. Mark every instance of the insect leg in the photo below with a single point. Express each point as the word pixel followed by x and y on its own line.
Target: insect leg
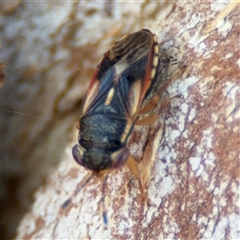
pixel 133 166
pixel 66 203
pixel 156 98
pixel 152 118
pixel 147 120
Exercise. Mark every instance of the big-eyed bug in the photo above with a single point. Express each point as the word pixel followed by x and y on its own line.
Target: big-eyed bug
pixel 123 79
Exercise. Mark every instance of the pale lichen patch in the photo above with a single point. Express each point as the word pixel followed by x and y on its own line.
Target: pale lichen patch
pixel 224 27
pixel 192 114
pixel 195 163
pixel 228 55
pixel 238 62
pixel 218 6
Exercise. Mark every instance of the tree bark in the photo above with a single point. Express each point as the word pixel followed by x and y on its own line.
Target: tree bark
pixel 188 159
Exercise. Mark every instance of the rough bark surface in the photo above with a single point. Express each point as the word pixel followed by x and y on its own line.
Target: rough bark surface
pixel 189 158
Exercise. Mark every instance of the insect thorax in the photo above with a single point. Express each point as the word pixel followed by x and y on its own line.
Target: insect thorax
pixel 101 135
pixel 102 130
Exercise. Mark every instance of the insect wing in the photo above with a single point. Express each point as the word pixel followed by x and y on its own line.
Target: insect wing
pixel 136 69
pixel 100 82
pixel 125 73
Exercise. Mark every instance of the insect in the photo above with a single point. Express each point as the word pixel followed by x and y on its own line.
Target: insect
pixel 123 79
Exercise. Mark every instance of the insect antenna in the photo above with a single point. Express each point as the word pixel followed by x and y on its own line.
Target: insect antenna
pixel 65 204
pixel 105 220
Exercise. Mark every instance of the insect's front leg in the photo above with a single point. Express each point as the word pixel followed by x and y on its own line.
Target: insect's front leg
pixel 133 166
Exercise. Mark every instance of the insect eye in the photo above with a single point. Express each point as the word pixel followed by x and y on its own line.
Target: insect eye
pixel 78 153
pixel 119 157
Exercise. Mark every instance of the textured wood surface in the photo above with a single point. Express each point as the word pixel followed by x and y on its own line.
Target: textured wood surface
pixel 189 158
